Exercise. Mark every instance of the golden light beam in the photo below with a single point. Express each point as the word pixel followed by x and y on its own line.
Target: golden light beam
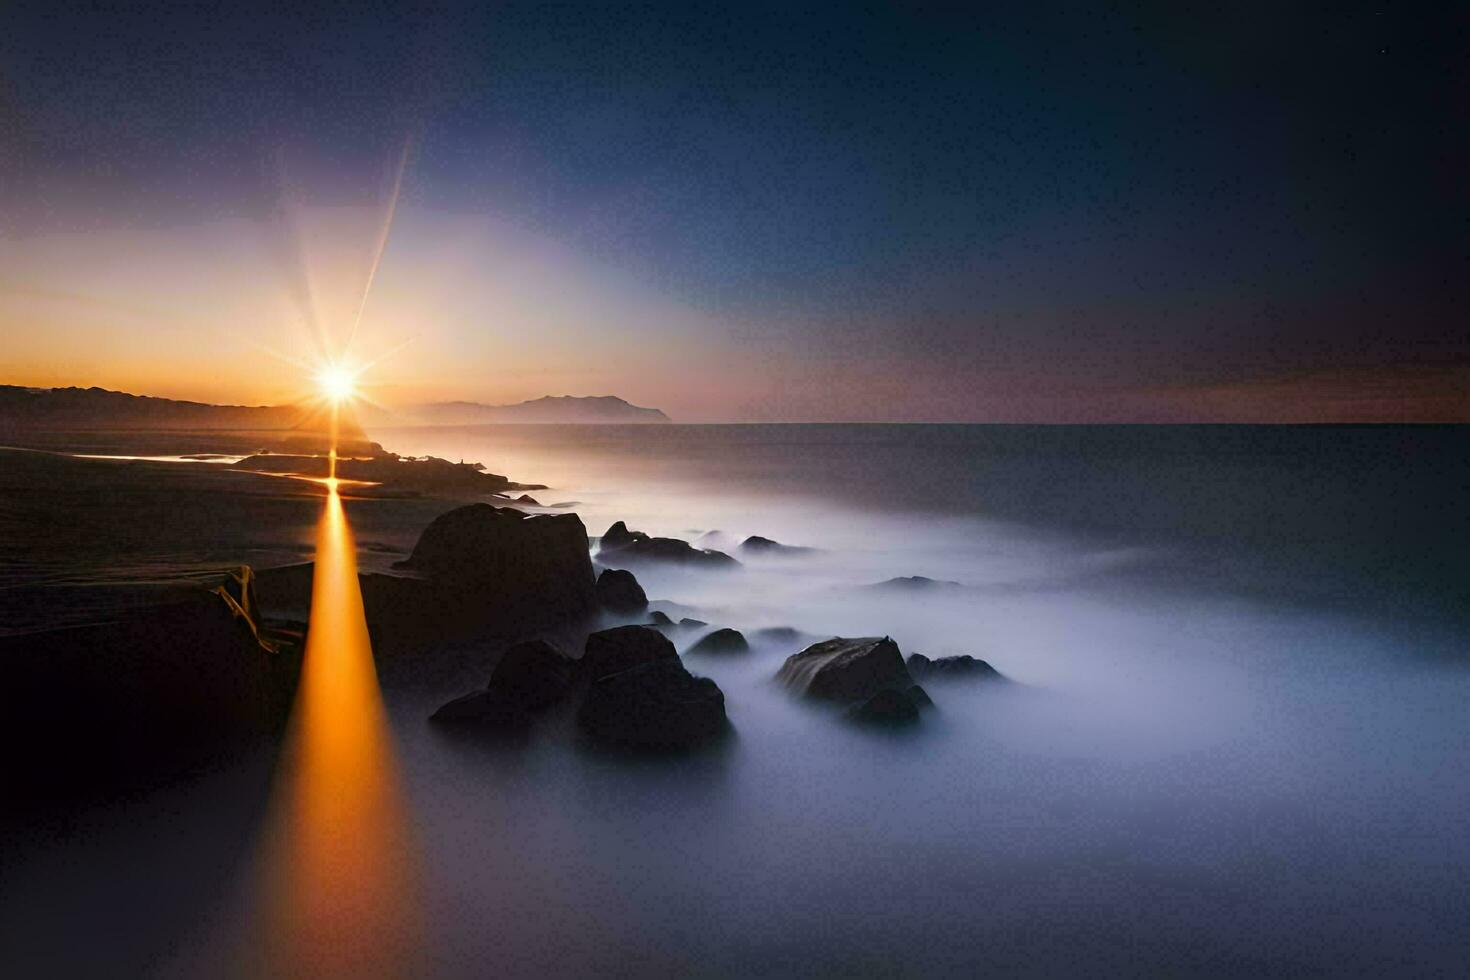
pixel 340 880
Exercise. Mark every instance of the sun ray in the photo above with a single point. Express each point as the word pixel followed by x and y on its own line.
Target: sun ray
pixel 382 243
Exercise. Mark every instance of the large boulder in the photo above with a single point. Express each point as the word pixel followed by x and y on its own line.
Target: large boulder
pixel 496 565
pixel 533 674
pixel 618 535
pixel 721 641
pixel 657 705
pixel 617 649
pixel 949 668
pixel 755 544
pixel 843 669
pixel 888 707
pixel 530 677
pixel 159 690
pixel 620 546
pixel 619 592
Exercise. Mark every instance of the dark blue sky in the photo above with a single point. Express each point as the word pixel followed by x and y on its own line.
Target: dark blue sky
pixel 1143 196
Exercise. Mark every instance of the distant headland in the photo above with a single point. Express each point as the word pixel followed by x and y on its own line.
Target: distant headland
pixel 99 408
pixel 597 409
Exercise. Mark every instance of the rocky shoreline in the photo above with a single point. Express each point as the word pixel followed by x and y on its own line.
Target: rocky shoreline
pixel 550 616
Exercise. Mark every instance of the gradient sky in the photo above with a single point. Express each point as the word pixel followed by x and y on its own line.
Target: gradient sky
pixel 1157 212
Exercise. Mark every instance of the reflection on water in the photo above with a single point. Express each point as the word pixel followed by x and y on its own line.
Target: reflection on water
pixel 339 888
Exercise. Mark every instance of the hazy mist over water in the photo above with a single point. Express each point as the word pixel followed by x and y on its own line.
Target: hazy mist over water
pixel 1236 741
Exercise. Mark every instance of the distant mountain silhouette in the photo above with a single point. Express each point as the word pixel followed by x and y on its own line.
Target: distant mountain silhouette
pixel 563 408
pixel 41 410
pixel 98 408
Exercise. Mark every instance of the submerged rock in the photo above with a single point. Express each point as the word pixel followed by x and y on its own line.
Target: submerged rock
pixel 756 544
pixel 721 641
pixel 888 707
pixel 657 705
pixel 953 667
pixel 688 623
pixel 659 618
pixel 618 591
pixel 843 669
pixel 618 649
pixel 620 545
pixel 915 583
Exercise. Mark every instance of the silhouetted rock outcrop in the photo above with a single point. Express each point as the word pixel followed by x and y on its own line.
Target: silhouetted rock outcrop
pixel 657 705
pixel 618 591
pixel 617 649
pixel 659 618
pixel 953 667
pixel 843 669
pixel 755 544
pixel 158 691
pixel 428 475
pixel 483 564
pixel 887 707
pixel 723 641
pixel 534 674
pixel 621 546
pixel 915 583
pixel 530 677
pixel 618 536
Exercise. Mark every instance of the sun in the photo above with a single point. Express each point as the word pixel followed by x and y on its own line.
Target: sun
pixel 337 382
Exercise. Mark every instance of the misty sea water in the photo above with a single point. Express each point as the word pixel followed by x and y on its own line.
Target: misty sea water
pixel 1233 742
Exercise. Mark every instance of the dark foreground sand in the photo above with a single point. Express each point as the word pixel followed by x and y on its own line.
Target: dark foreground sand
pixel 82 539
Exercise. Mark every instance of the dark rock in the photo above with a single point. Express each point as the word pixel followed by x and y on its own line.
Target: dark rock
pixel 842 669
pixel 722 642
pixel 887 707
pixel 529 500
pixel 953 667
pixel 756 544
pixel 622 546
pixel 618 649
pixel 915 583
pixel 428 475
pixel 618 591
pixel 533 675
pixel 158 691
pixel 618 535
pixel 530 677
pixel 495 565
pixel 692 623
pixel 659 618
pixel 920 697
pixel 654 705
pixel 490 708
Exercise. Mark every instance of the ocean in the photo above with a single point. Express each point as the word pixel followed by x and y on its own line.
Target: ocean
pixel 1233 741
